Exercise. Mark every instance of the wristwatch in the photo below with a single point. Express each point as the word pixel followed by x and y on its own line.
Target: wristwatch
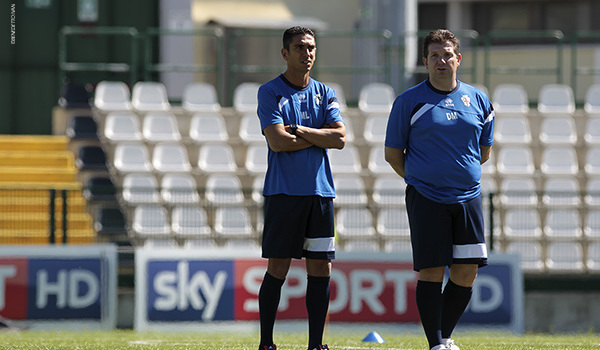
pixel 293 127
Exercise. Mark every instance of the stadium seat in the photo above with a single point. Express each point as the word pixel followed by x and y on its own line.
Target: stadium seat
pixel 140 188
pixel 354 223
pixel 483 88
pixel 208 127
pixel 518 192
pixel 360 246
pixel 131 157
pixel 200 97
pixel 148 96
pixel 349 130
pixel 224 189
pixel 82 127
pixel 376 98
pixel 558 131
pixel 559 161
pixel 74 95
pixel 514 160
pixel 530 254
pixel 160 126
pixel 509 129
pixel 591 134
pixel 339 94
pixel 345 161
pixel 377 163
pixel 592 192
pixel 245 97
pixel 256 159
pixel 250 130
pixel 592 161
pixel 122 126
pixel 389 190
pixel 593 256
pixel 170 157
pixel 564 256
pixel 393 222
pixel 150 220
pixel 510 98
pixel 91 158
pixel 110 221
pixel 100 189
pixel 257 189
pixel 216 157
pixel 563 223
pixel 190 221
pixel 591 225
pixel 489 167
pixel 556 99
pixel 522 223
pixel 179 188
pixel 232 221
pixel 350 190
pixel 488 186
pixel 592 101
pixel 112 96
pixel 561 192
pixel 375 128
pixel 397 246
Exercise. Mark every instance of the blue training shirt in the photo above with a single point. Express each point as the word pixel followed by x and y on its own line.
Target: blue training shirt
pixel 305 172
pixel 442 133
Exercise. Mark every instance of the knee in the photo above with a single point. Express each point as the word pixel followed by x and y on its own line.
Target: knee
pixel 278 268
pixel 463 275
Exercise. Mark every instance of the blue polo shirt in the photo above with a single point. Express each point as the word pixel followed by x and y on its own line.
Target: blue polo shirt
pixel 305 172
pixel 442 133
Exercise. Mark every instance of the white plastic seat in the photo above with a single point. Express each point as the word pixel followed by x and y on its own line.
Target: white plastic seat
pixel 593 256
pixel 512 130
pixel 377 163
pixel 140 188
pixel 160 126
pixel 592 101
pixel 339 94
pixel 345 161
pixel 250 130
pixel 208 127
pixel 522 223
pixel 376 98
pixel 556 99
pixel 489 167
pixel 179 188
pixel 518 191
pixel 561 192
pixel 393 222
pixel 257 189
pixel 389 190
pixel 349 130
pixel 592 192
pixel 245 97
pixel 559 161
pixel 150 220
pixel 190 221
pixel 564 256
pixel 170 157
pixel 122 126
pixel 397 246
pixel 233 221
pixel 592 161
pixel 591 133
pixel 361 246
pixel 510 98
pixel 558 131
pixel 132 157
pixel 224 189
pixel 216 157
pixel 256 159
pixel 591 225
pixel 564 223
pixel 148 96
pixel 530 253
pixel 375 128
pixel 350 190
pixel 112 96
pixel 200 97
pixel 515 160
pixel 354 222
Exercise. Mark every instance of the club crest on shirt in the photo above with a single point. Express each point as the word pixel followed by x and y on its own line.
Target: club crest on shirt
pixel 319 99
pixel 448 102
pixel 466 100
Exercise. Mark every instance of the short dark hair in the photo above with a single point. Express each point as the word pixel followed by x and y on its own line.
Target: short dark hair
pixel 290 33
pixel 440 36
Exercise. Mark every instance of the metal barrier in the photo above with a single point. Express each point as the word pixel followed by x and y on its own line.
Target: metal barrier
pixel 576 70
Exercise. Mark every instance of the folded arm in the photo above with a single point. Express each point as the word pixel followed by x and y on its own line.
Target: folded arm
pixel 280 137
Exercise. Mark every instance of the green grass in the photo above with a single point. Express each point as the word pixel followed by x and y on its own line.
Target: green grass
pixel 226 340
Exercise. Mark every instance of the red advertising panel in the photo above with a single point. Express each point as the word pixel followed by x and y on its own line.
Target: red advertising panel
pixel 13 288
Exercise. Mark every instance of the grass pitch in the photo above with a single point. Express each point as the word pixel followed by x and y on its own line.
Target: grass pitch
pixel 128 339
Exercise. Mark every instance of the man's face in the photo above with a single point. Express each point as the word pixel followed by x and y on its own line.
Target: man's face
pixel 301 54
pixel 441 61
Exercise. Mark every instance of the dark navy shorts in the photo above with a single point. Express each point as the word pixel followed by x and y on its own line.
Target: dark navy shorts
pixel 445 234
pixel 298 226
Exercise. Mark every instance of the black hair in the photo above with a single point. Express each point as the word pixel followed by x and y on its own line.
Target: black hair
pixel 290 33
pixel 440 36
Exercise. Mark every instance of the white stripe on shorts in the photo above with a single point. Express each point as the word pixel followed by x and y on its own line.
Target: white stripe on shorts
pixel 470 251
pixel 325 244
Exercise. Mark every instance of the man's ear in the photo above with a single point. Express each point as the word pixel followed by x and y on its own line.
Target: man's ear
pixel 284 53
pixel 424 61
